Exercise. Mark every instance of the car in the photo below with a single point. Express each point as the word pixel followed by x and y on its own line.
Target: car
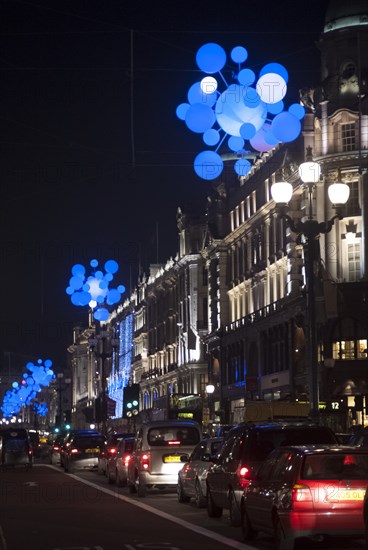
pixel 117 463
pixel 160 447
pixel 359 439
pixel 55 448
pixel 67 439
pixel 34 436
pixel 192 476
pixel 15 448
pixel 83 451
pixel 246 447
pixel 307 491
pixel 110 449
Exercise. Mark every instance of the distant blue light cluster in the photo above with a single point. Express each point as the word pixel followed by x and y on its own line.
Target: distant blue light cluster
pixel 24 393
pixel 248 110
pixel 93 290
pixel 41 409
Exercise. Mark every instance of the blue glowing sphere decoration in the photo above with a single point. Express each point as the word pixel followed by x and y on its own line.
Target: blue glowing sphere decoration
pixel 93 289
pixel 21 395
pixel 208 165
pixel 250 110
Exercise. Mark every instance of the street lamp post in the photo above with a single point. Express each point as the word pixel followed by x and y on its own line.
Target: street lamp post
pixel 60 390
pixel 103 346
pixel 311 229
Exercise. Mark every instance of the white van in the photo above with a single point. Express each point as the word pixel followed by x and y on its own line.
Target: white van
pixel 160 448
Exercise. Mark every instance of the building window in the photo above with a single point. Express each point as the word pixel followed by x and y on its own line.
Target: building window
pixel 354 261
pixel 348 137
pixel 349 349
pixel 352 207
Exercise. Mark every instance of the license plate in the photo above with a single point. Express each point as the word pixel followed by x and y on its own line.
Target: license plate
pixel 171 458
pixel 92 451
pixel 350 494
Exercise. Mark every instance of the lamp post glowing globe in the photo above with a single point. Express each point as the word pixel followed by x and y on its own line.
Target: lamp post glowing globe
pixel 249 109
pixel 93 290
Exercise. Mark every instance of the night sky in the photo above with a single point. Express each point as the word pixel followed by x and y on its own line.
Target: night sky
pixel 93 161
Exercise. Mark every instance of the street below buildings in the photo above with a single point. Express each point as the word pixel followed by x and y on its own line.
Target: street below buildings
pixel 46 509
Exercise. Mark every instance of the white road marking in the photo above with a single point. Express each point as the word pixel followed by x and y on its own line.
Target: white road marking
pixel 195 528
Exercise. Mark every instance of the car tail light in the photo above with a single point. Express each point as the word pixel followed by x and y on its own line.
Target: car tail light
pixel 243 475
pixel 30 452
pixel 174 443
pixel 112 451
pixel 301 498
pixel 74 451
pixel 127 459
pixel 55 448
pixel 145 460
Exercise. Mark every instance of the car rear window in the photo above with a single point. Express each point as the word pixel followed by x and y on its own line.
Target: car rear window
pixel 171 435
pixel 9 435
pixel 129 444
pixel 262 442
pixel 335 466
pixel 88 441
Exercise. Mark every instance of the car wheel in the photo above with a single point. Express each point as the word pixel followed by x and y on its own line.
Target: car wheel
pixel 282 542
pixel 132 489
pixel 182 497
pixel 234 511
pixel 247 530
pixel 212 510
pixel 119 482
pixel 200 499
pixel 99 469
pixel 110 480
pixel 141 488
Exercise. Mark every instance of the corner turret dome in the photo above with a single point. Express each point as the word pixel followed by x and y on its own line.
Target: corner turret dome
pixel 341 14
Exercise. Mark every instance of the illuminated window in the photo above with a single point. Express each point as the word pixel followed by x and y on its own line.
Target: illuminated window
pixel 348 137
pixel 354 261
pixel 350 349
pixel 362 349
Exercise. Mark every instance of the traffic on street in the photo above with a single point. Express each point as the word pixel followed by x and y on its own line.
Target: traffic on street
pixel 47 509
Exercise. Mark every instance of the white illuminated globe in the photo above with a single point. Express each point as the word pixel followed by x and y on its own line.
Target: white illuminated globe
pixel 281 192
pixel 338 193
pixel 92 304
pixel 310 172
pixel 271 88
pixel 208 85
pixel 210 388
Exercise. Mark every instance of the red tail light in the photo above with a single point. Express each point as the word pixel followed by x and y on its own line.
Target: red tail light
pixel 127 459
pixel 112 451
pixel 301 498
pixel 74 451
pixel 30 452
pixel 55 448
pixel 145 460
pixel 243 476
pixel 174 442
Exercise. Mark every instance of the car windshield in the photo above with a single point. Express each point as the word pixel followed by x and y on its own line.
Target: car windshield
pixel 169 435
pixel 335 466
pixel 88 441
